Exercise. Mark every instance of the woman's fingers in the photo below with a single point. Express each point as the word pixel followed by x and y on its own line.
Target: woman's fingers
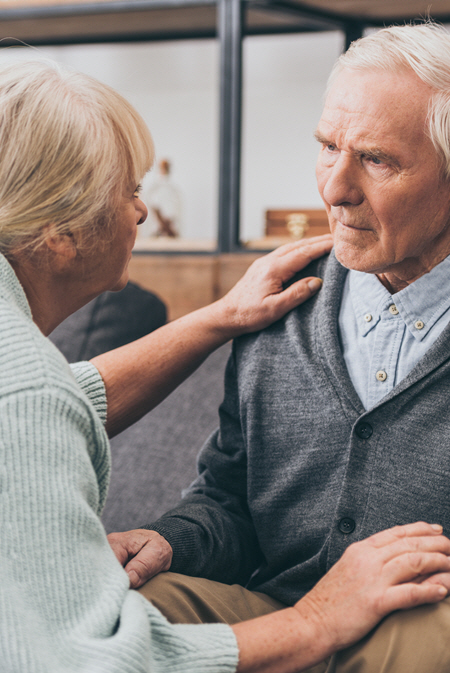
pixel 410 595
pixel 418 528
pixel 260 297
pixel 294 295
pixel 407 566
pixel 298 255
pixel 301 245
pixel 403 549
pixel 396 569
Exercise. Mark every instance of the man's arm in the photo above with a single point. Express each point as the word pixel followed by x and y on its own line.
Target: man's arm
pixel 210 533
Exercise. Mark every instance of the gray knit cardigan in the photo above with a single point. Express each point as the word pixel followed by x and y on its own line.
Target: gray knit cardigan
pixel 299 470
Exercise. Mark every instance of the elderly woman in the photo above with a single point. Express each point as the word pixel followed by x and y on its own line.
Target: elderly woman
pixel 72 154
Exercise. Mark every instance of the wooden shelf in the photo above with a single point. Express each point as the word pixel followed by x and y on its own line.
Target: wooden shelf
pixel 188 282
pixel 163 244
pixel 39 22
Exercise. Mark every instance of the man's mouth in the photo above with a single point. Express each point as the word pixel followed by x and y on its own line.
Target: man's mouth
pixel 352 225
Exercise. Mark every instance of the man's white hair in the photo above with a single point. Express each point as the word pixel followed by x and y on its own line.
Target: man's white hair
pixel 425 48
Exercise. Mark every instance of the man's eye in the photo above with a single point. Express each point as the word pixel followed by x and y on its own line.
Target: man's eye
pixel 375 160
pixel 331 148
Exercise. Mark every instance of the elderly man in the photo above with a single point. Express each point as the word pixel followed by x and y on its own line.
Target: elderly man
pixel 335 422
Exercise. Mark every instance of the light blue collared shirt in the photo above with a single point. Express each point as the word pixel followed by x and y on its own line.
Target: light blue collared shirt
pixel 384 336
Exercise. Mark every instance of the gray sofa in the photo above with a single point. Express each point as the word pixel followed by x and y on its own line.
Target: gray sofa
pixel 153 460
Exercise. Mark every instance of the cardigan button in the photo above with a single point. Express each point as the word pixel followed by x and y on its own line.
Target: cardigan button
pixel 363 430
pixel 346 525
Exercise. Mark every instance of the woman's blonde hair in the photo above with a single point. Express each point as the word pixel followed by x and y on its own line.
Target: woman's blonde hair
pixel 425 48
pixel 69 147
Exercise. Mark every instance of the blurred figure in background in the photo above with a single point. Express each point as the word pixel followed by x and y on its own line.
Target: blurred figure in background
pixel 163 201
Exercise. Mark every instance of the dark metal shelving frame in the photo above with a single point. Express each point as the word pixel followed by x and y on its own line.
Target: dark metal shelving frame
pixel 228 20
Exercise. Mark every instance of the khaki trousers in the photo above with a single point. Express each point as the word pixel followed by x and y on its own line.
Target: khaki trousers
pixel 410 641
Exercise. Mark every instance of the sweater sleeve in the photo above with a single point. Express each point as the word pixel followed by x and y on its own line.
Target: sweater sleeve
pixel 211 530
pixel 65 603
pixel 89 379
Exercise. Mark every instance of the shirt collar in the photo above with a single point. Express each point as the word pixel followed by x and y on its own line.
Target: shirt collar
pixel 420 304
pixel 426 300
pixel 369 297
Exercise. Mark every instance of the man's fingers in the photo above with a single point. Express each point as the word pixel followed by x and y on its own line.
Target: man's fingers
pixel 151 560
pixel 119 550
pixel 144 553
pixel 141 568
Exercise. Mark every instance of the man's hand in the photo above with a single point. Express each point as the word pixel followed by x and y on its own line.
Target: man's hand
pixel 143 554
pixel 396 569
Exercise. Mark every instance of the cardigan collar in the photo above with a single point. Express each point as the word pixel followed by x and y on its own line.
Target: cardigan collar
pixel 326 327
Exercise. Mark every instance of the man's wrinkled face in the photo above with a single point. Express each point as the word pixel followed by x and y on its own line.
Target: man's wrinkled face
pixel 379 175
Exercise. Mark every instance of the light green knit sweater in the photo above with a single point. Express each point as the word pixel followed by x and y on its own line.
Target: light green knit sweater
pixel 65 605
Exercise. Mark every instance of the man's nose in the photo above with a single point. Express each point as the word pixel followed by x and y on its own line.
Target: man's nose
pixel 341 184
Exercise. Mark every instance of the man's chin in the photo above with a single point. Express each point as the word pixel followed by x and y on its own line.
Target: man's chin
pixel 354 258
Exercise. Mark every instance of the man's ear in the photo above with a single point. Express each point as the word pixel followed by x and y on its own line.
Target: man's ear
pixel 62 244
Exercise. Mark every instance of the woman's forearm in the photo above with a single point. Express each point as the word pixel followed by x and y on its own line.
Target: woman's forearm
pixel 141 374
pixel 279 643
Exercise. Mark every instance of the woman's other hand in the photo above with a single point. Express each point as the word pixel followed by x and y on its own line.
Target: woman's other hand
pixel 396 569
pixel 261 297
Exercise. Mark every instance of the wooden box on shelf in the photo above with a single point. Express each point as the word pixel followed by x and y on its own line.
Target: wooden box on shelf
pixel 290 224
pixel 296 224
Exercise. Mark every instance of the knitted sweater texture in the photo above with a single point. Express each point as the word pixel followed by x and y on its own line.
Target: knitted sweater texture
pixel 65 603
pixel 299 469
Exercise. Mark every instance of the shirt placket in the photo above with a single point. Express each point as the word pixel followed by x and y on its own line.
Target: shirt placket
pixel 388 337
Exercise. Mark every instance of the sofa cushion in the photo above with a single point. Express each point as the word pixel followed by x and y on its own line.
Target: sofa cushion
pixel 110 320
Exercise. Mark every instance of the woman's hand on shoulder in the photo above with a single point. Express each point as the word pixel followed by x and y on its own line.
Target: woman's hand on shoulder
pixel 261 297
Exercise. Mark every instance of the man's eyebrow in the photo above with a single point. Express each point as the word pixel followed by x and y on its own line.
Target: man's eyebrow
pixel 372 153
pixel 321 139
pixel 377 153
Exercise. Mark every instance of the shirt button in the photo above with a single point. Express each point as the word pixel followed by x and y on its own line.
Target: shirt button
pixel 381 375
pixel 363 430
pixel 346 525
pixel 419 324
pixel 368 317
pixel 393 309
